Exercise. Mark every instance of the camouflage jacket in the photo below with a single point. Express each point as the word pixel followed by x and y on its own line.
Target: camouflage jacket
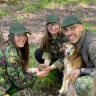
pixel 11 69
pixel 54 51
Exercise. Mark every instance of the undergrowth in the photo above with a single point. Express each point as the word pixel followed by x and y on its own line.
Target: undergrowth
pixel 47 81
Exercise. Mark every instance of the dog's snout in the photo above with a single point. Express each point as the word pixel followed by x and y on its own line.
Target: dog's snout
pixel 68 53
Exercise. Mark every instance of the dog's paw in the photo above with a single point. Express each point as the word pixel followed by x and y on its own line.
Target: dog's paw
pixel 62 89
pixel 60 95
pixel 63 92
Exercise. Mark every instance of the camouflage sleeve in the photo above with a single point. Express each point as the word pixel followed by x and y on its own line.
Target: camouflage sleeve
pixel 17 76
pixel 59 64
pixel 47 56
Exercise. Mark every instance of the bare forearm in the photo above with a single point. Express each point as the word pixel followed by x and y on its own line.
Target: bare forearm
pixel 47 62
pixel 52 67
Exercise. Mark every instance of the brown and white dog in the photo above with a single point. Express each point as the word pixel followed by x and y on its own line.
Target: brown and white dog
pixel 72 61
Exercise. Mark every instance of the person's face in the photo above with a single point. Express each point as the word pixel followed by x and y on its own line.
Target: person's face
pixel 53 28
pixel 20 40
pixel 73 33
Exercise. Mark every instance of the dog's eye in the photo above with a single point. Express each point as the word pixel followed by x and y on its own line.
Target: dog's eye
pixel 72 48
pixel 65 47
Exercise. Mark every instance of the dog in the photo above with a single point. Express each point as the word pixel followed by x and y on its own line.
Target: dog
pixel 72 61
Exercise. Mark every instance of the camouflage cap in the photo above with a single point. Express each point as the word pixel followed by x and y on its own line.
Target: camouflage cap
pixel 53 18
pixel 17 28
pixel 70 20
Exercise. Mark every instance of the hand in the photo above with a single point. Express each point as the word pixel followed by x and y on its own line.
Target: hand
pixel 32 70
pixel 52 67
pixel 5 94
pixel 42 73
pixel 76 73
pixel 48 69
pixel 29 70
pixel 42 67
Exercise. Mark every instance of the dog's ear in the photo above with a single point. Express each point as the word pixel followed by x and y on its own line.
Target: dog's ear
pixel 62 47
pixel 77 49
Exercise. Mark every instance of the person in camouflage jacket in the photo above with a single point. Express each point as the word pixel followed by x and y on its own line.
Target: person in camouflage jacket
pixel 49 53
pixel 15 73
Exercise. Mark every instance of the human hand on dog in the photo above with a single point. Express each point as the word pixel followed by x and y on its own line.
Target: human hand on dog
pixel 76 73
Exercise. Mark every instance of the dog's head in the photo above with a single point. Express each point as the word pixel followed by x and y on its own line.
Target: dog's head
pixel 69 49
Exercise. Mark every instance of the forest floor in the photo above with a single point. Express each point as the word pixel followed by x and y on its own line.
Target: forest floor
pixel 35 23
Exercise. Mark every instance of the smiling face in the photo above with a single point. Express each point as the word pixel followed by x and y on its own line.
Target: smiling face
pixel 73 32
pixel 20 40
pixel 53 28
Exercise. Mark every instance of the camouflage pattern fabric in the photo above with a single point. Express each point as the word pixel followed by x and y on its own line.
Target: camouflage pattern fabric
pixel 84 85
pixel 11 69
pixel 55 45
pixel 54 48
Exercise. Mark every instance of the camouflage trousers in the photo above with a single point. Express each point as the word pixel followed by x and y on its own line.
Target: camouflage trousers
pixel 84 85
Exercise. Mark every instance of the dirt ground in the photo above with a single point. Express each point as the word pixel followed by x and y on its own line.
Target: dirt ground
pixel 35 23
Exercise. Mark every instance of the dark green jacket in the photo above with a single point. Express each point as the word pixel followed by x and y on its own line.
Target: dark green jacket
pixel 11 69
pixel 87 45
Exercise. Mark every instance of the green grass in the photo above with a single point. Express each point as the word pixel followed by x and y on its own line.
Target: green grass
pixel 33 62
pixel 1 13
pixel 49 80
pixel 35 6
pixel 88 26
pixel 4 12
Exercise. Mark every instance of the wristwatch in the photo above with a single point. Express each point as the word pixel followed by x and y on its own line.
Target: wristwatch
pixel 80 71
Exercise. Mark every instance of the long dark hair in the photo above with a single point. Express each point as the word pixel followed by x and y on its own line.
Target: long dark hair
pixel 24 51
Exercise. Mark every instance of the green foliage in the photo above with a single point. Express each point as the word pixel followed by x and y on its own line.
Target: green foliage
pixel 1 14
pixel 35 6
pixel 86 1
pixel 94 29
pixel 20 18
pixel 33 62
pixel 88 26
pixel 63 2
pixel 49 80
pixel 29 8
